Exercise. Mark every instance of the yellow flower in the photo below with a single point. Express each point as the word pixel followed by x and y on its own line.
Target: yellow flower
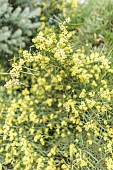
pixel 82 94
pixel 0 166
pixel 109 163
pixel 48 102
pixel 42 141
pixel 89 142
pixel 83 163
pixel 64 123
pixel 65 167
pixel 72 151
pixel 90 103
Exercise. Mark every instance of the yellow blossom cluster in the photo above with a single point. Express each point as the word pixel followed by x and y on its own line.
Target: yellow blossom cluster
pixel 60 112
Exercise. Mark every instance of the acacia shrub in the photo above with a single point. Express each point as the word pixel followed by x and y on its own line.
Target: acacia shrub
pixel 60 112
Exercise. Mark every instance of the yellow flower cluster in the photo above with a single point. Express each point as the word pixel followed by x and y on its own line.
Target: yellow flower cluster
pixel 61 118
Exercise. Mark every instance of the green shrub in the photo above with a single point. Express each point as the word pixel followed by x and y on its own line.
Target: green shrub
pixel 93 22
pixel 24 3
pixel 19 20
pixel 55 10
pixel 16 25
pixel 59 116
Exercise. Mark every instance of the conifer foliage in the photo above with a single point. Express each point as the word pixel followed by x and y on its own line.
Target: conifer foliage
pixel 16 22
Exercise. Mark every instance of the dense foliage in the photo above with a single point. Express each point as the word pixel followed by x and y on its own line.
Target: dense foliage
pixel 16 25
pixel 94 23
pixel 60 117
pixel 52 9
pixel 56 107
